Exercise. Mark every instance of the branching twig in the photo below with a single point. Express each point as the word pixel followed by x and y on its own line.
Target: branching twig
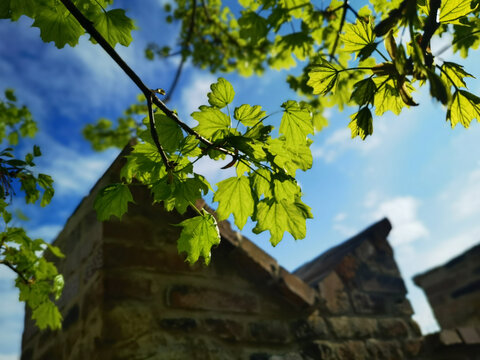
pixel 153 133
pixel 88 26
pixel 184 57
pixel 19 273
pixel 342 22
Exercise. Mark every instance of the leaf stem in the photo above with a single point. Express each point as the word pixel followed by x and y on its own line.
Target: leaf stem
pixel 342 22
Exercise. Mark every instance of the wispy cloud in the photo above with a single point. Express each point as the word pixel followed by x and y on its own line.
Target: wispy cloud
pixel 402 212
pixel 195 94
pixel 467 197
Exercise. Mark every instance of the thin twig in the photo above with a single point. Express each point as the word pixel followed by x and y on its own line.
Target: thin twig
pixel 88 26
pixel 154 134
pixel 19 273
pixel 342 22
pixel 184 57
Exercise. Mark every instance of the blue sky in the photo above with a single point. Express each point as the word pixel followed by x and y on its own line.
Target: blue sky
pixel 416 170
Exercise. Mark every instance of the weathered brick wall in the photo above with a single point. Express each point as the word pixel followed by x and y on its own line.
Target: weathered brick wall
pixel 129 295
pixel 455 285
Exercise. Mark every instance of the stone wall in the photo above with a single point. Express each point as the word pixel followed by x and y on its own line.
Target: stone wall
pixel 454 285
pixel 129 295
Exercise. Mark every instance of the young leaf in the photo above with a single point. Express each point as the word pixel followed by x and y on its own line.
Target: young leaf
pixel 234 196
pixel 222 93
pixel 296 123
pixel 249 115
pixel 362 123
pixel 278 217
pixel 322 78
pixel 363 91
pixel 358 36
pixel 115 26
pixel 112 200
pixel 47 315
pixel 198 236
pixel 58 25
pixel 169 133
pixel 291 157
pixel 451 11
pixel 464 108
pixel 212 123
pixel 438 89
pixel 453 74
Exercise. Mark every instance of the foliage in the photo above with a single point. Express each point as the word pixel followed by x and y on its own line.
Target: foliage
pixel 372 59
pixel 37 278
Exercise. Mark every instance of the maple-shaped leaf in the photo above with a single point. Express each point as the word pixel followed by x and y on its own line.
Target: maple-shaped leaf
pixel 464 108
pixel 212 123
pixel 234 196
pixel 286 189
pixel 169 133
pixel 322 78
pixel 58 25
pixel 198 236
pixel 278 217
pixel 222 93
pixel 291 157
pixel 362 123
pixel 296 123
pixel 112 200
pixel 387 97
pixel 453 74
pixel 262 183
pixel 451 11
pixel 115 26
pixel 249 115
pixel 363 91
pixel 252 26
pixel 47 315
pixel 358 36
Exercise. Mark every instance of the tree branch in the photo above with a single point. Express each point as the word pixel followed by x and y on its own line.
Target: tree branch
pixel 342 22
pixel 149 94
pixel 7 264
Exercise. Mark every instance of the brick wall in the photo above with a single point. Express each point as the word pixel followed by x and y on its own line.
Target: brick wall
pixel 129 295
pixel 454 286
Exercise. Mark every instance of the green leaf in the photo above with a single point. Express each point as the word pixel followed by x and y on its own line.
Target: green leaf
pixel 296 123
pixel 47 315
pixel 286 189
pixel 169 133
pixel 36 151
pixel 358 36
pixel 112 200
pixel 55 250
pixel 362 123
pixel 464 108
pixel 252 26
pixel 234 196
pixel 198 236
pixel 387 98
pixel 212 123
pixel 222 93
pixel 58 25
pixel 180 193
pixel 114 26
pixel 363 91
pixel 291 157
pixel 261 183
pixel 438 89
pixel 278 217
pixel 451 11
pixel 454 74
pixel 322 78
pixel 249 115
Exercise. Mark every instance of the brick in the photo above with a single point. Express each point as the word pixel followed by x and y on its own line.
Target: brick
pixel 191 297
pixel 269 331
pixel 449 337
pixel 178 324
pixel 332 291
pixel 93 264
pixel 122 322
pixel 392 328
pixel 225 329
pixel 469 335
pixel 412 347
pixel 345 327
pixel 369 281
pixel 347 268
pixel 352 350
pixel 380 350
pixel 314 327
pixel 71 317
pixel 295 289
pixel 364 303
pixel 128 286
pixel 92 297
pixel 323 350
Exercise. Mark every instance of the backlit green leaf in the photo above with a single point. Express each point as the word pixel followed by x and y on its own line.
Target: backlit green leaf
pixel 359 35
pixel 114 26
pixel 234 196
pixel 454 74
pixel 249 115
pixel 451 11
pixel 362 123
pixel 296 123
pixel 198 236
pixel 363 91
pixel 464 108
pixel 47 315
pixel 212 123
pixel 222 93
pixel 322 78
pixel 112 200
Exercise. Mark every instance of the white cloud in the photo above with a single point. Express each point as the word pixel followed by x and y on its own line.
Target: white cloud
pixel 195 93
pixel 45 232
pixel 9 357
pixel 73 171
pixel 340 226
pixel 402 213
pixel 467 199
